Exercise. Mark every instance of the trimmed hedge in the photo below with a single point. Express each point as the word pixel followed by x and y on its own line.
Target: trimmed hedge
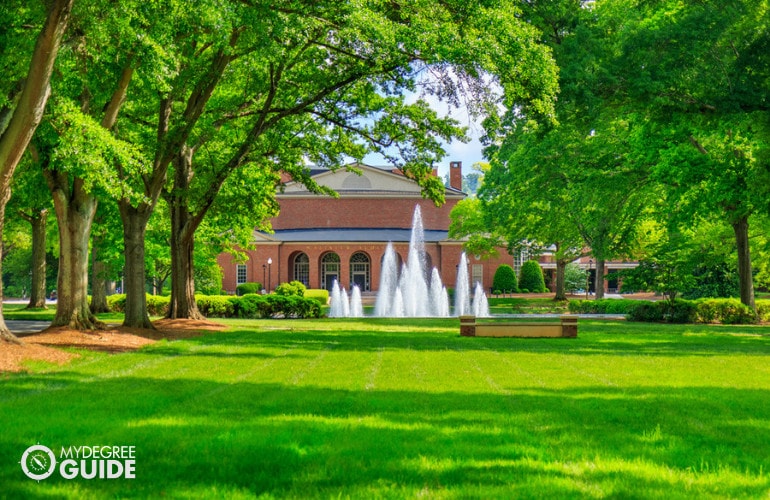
pixel 250 305
pixel 724 311
pixel 727 312
pixel 215 306
pixel 602 306
pixel 319 294
pixel 245 288
pixel 157 305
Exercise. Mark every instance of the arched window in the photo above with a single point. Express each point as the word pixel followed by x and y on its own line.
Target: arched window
pixel 330 270
pixel 359 270
pixel 301 269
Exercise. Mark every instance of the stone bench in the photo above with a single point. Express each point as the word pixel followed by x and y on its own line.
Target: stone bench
pixel 470 326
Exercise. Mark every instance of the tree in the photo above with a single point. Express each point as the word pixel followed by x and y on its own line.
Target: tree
pixel 526 192
pixel 22 111
pixel 695 76
pixel 466 221
pixel 572 186
pixel 106 255
pixel 80 152
pixel 691 263
pixel 84 153
pixel 668 270
pixel 320 81
pixel 30 200
pixel 575 278
pixel 17 254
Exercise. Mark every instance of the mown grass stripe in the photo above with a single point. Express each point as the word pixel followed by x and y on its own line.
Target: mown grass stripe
pixel 401 409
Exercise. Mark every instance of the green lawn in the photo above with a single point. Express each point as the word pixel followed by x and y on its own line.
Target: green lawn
pixel 408 408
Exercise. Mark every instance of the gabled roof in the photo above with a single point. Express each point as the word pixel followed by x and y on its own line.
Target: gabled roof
pixel 371 181
pixel 373 235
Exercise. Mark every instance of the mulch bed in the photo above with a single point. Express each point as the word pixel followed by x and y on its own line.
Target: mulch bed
pixel 46 345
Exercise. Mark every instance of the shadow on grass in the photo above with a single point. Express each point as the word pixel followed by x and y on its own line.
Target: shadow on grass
pixel 204 438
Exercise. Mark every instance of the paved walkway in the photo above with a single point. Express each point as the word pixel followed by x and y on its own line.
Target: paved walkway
pixel 21 327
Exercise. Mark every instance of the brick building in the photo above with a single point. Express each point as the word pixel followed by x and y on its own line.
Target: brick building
pixel 318 239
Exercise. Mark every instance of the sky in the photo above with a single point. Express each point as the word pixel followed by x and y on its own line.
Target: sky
pixel 467 153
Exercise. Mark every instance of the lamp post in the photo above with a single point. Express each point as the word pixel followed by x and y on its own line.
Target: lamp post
pixel 264 275
pixel 269 270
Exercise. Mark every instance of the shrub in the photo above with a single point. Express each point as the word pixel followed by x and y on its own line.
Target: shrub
pixel 247 306
pixel 290 306
pixel 293 288
pixel 496 292
pixel 322 296
pixel 602 306
pixel 504 280
pixel 251 305
pixel 726 311
pixel 531 277
pixel 647 311
pixel 157 305
pixel 712 281
pixel 117 302
pixel 680 311
pixel 617 306
pixel 215 306
pixel 245 288
pixel 763 310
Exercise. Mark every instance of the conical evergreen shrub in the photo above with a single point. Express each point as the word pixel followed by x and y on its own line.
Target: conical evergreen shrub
pixel 531 277
pixel 505 280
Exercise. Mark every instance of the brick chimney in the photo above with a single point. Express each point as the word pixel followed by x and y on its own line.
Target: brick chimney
pixel 456 175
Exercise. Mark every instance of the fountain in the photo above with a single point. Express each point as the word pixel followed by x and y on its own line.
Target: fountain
pixel 480 302
pixel 344 306
pixel 462 290
pixel 414 291
pixel 356 307
pixel 338 299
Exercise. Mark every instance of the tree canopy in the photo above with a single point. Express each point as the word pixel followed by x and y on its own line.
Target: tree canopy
pixel 159 99
pixel 662 114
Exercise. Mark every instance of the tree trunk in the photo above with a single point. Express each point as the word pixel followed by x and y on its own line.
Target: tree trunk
pixel 183 227
pixel 745 278
pixel 561 267
pixel 39 222
pixel 183 303
pixel 599 282
pixel 34 96
pixel 75 210
pixel 98 279
pixel 134 278
pixel 29 110
pixel 5 333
